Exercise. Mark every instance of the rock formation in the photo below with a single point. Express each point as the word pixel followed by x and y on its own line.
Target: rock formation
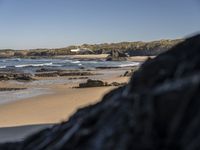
pixel 99 83
pixel 159 109
pixel 15 76
pixel 91 83
pixel 116 55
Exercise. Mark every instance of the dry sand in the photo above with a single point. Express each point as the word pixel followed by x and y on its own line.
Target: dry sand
pixel 23 117
pixel 140 58
pixel 91 56
pixel 51 108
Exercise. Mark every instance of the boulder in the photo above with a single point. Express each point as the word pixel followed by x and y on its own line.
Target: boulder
pixel 91 83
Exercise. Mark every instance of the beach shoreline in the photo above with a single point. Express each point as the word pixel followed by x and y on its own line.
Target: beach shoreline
pixel 28 106
pixel 62 100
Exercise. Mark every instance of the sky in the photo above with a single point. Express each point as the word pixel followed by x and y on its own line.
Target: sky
pixel 27 24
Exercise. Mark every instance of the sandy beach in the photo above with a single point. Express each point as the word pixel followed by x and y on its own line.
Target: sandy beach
pixel 23 117
pixel 29 106
pixel 50 108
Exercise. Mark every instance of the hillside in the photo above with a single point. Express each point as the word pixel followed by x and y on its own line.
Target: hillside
pixel 132 48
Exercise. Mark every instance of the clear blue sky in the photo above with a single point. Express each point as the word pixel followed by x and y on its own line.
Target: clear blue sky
pixel 59 23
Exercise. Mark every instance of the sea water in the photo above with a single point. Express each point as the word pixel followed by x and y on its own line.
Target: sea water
pixel 32 65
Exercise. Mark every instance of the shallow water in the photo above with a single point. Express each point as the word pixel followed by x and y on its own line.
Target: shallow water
pixel 31 65
pixel 40 87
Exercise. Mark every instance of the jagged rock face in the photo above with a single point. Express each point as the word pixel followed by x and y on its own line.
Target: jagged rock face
pixel 157 110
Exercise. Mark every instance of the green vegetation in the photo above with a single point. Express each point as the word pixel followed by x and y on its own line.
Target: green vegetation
pixel 132 48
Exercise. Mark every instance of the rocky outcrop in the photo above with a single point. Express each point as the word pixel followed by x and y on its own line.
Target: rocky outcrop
pixel 62 73
pixel 116 55
pixel 15 76
pixel 91 83
pixel 117 84
pixel 10 89
pixel 157 110
pixel 98 83
pixel 78 78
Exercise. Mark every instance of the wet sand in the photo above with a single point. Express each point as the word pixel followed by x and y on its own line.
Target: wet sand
pixel 51 108
pixel 20 118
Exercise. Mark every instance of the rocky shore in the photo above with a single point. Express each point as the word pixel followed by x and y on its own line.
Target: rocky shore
pixel 18 76
pixel 99 83
pixel 157 110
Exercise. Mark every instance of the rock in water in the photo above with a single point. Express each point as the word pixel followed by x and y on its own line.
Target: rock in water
pixel 159 109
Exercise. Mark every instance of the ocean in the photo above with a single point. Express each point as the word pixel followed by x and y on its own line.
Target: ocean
pixel 31 65
pixel 40 87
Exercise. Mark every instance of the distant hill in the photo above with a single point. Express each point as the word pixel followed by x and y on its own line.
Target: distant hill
pixel 132 48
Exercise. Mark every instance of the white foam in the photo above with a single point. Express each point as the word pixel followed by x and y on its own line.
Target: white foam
pixel 129 65
pixel 75 62
pixel 2 67
pixel 34 65
pixel 13 59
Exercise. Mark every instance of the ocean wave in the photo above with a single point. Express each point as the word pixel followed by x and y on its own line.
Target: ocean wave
pixel 75 62
pixel 34 65
pixel 129 65
pixel 67 60
pixel 93 62
pixel 56 65
pixel 12 59
pixel 2 67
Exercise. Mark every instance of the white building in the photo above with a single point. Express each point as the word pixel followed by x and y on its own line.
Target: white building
pixel 75 50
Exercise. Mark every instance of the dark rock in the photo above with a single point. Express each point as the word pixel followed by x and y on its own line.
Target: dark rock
pixel 98 83
pixel 117 84
pixel 63 73
pixel 130 72
pixel 78 78
pixel 107 67
pixel 15 76
pixel 91 83
pixel 116 55
pixel 75 73
pixel 157 110
pixel 47 74
pixel 47 70
pixel 11 89
pixel 23 77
